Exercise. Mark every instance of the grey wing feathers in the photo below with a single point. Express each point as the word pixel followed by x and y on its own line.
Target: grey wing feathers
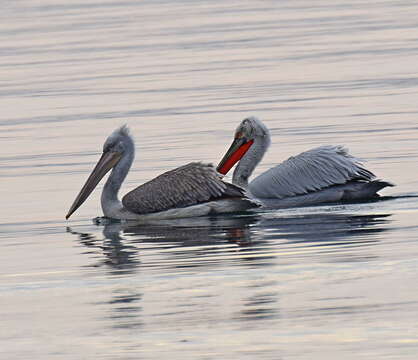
pixel 187 185
pixel 309 171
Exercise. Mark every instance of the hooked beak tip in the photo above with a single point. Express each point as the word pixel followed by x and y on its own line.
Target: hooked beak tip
pixel 69 213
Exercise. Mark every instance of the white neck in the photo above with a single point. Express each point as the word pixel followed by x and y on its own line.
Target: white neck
pixel 250 160
pixel 111 205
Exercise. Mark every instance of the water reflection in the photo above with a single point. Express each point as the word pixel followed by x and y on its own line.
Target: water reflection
pixel 256 238
pixel 166 250
pixel 123 242
pixel 259 306
pixel 126 308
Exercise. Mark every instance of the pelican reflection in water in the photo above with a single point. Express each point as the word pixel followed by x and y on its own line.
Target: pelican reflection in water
pixel 194 189
pixel 322 174
pixel 123 243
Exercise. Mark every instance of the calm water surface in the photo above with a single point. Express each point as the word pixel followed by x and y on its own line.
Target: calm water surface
pixel 326 282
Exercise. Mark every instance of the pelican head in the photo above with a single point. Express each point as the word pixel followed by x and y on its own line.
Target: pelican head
pixel 116 148
pixel 251 130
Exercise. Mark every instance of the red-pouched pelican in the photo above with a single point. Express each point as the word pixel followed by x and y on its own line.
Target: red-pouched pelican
pixel 194 189
pixel 323 174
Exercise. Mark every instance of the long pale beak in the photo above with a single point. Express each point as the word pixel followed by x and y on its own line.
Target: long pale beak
pixel 235 152
pixel 107 161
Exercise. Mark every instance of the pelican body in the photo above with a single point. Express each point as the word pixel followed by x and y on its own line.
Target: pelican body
pixel 323 174
pixel 194 189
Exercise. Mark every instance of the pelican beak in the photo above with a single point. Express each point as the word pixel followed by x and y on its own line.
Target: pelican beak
pixel 107 161
pixel 236 151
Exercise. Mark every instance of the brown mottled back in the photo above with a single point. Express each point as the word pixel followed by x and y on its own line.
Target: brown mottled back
pixel 187 185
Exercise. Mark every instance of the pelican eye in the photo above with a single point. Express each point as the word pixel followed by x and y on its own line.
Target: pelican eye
pixel 239 135
pixel 109 147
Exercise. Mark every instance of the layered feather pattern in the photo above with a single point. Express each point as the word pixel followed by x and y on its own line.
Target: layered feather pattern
pixel 187 185
pixel 309 171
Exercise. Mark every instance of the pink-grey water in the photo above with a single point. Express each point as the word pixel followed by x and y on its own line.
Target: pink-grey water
pixel 325 282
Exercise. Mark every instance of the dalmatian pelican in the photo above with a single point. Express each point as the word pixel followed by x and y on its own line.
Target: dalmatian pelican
pixel 195 189
pixel 323 174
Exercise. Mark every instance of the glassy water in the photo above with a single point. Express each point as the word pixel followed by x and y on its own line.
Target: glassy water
pixel 310 283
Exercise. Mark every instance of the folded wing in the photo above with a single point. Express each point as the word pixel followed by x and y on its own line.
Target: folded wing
pixel 309 171
pixel 187 185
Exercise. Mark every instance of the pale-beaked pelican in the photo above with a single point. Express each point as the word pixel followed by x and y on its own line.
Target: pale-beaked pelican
pixel 323 174
pixel 194 189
